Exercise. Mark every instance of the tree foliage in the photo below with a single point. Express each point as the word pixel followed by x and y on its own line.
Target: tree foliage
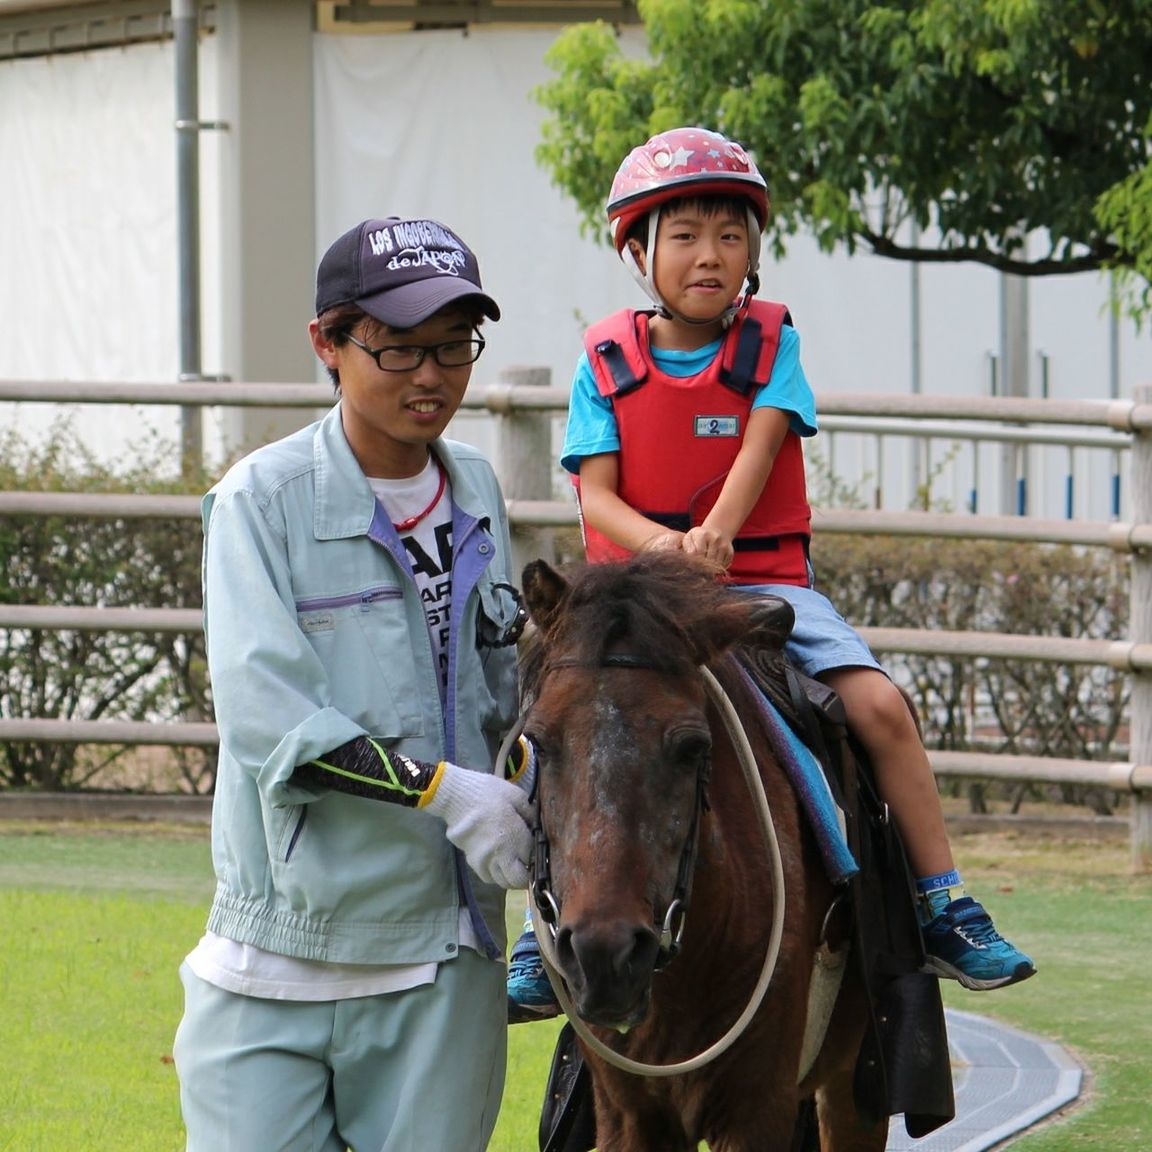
pixel 980 121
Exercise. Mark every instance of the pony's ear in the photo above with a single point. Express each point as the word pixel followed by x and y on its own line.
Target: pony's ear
pixel 772 622
pixel 544 588
pixel 762 622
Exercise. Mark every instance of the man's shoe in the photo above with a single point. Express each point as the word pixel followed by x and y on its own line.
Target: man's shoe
pixel 530 994
pixel 962 944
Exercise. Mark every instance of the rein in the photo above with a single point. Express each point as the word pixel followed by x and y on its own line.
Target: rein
pixel 550 914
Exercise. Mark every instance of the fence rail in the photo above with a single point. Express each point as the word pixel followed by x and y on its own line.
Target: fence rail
pixel 523 403
pixel 1120 536
pixel 509 395
pixel 1122 655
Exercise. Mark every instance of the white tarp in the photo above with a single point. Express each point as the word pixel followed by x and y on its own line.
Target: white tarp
pixel 88 234
pixel 443 124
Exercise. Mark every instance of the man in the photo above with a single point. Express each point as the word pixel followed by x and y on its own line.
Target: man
pixel 349 991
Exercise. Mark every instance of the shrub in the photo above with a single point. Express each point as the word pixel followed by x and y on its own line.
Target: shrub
pixel 1011 706
pixel 1007 706
pixel 97 562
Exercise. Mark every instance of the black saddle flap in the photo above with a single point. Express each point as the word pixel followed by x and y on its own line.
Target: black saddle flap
pixel 905 1060
pixel 567 1120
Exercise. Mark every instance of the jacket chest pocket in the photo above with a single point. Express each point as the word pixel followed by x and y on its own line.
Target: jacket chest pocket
pixel 364 642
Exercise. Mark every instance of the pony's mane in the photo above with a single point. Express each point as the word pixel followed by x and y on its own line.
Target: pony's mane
pixel 650 606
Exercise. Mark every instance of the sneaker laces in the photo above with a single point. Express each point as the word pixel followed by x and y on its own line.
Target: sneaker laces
pixel 977 924
pixel 525 962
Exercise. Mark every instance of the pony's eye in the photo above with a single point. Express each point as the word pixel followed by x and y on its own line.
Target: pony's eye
pixel 538 741
pixel 689 747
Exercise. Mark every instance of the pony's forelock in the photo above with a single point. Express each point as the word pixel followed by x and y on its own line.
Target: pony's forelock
pixel 656 606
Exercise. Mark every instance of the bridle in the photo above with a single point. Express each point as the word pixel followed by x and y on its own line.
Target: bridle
pixel 550 914
pixel 670 927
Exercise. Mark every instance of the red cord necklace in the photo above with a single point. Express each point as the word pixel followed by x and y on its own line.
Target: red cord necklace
pixel 412 521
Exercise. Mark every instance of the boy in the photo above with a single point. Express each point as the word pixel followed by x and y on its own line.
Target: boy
pixel 684 432
pixel 349 990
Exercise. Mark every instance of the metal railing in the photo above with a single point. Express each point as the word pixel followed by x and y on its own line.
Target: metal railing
pixel 523 404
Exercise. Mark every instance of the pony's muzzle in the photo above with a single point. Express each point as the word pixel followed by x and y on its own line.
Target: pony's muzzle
pixel 608 966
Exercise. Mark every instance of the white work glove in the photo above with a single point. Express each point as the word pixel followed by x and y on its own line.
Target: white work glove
pixel 488 819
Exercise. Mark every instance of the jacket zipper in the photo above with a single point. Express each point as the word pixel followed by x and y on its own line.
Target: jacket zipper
pixel 372 596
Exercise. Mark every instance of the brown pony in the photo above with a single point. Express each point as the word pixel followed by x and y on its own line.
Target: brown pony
pixel 638 782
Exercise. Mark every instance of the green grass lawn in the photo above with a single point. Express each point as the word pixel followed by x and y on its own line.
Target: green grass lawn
pixel 1087 922
pixel 96 922
pixel 97 919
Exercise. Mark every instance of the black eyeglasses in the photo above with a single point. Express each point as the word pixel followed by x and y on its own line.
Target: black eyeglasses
pixel 409 357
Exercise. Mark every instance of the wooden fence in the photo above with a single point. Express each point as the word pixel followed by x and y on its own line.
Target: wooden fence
pixel 524 405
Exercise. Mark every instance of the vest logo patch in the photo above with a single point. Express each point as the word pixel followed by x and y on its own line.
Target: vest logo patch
pixel 717 426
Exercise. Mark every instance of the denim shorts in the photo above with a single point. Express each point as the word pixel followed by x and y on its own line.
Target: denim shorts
pixel 821 640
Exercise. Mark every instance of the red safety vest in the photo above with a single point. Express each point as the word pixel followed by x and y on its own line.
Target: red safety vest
pixel 679 436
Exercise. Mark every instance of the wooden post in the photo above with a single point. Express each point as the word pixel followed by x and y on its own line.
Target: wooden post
pixel 524 463
pixel 1140 631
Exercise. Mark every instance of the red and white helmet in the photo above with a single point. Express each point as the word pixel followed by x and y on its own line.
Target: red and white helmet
pixel 683 162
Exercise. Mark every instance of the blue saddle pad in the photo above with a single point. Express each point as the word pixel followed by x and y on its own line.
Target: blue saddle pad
pixel 812 789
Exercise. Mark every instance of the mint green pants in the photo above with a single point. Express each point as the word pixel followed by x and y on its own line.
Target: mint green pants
pixel 415 1071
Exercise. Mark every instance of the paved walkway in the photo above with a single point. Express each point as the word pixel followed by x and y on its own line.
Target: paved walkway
pixel 1005 1081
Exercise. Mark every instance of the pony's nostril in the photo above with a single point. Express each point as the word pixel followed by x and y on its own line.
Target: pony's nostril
pixel 641 958
pixel 563 940
pixel 566 953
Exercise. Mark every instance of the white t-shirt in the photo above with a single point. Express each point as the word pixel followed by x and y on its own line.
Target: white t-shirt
pixel 428 544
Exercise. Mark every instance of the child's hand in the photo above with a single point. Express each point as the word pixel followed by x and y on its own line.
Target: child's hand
pixel 663 542
pixel 710 544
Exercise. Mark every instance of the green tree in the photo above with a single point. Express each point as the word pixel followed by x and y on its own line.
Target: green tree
pixel 981 121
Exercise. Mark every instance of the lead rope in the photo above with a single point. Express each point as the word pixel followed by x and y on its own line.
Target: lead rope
pixel 747 760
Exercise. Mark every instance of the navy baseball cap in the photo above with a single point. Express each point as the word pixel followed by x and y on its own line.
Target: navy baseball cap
pixel 401 272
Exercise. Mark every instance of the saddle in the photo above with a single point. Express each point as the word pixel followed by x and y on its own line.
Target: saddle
pixel 904 1066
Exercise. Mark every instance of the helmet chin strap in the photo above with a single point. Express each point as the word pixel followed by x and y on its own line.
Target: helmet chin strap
pixel 752 276
pixel 647 281
pixel 637 274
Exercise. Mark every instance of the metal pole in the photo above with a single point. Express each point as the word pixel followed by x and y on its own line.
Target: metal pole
pixel 1113 338
pixel 1139 629
pixel 1114 382
pixel 1014 381
pixel 185 30
pixel 920 471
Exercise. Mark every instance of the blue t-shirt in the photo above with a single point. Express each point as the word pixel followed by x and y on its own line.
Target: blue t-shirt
pixel 592 427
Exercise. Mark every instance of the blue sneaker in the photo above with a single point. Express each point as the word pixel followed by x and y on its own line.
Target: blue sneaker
pixel 962 944
pixel 530 995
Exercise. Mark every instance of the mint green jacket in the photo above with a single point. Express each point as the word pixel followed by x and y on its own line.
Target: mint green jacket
pixel 316 635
